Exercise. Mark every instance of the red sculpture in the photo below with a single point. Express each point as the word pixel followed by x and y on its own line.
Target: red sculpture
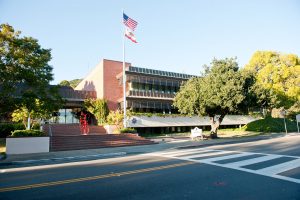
pixel 84 126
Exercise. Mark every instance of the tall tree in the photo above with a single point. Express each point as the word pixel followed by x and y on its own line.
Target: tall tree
pixel 24 73
pixel 277 78
pixel 220 91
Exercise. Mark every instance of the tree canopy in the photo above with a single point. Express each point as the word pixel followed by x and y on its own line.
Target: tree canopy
pixel 277 78
pixel 24 73
pixel 64 83
pixel 72 83
pixel 220 91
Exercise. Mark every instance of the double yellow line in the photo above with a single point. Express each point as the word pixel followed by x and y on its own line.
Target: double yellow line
pixel 76 180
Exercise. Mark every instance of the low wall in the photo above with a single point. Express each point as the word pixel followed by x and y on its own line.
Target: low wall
pixel 23 145
pixel 175 121
pixel 110 129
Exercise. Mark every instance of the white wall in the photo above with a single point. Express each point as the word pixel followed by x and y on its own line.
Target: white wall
pixel 27 145
pixel 93 81
pixel 155 121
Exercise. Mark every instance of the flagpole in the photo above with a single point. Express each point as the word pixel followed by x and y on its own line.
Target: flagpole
pixel 124 78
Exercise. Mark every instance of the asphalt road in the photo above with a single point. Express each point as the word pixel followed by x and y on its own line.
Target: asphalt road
pixel 267 169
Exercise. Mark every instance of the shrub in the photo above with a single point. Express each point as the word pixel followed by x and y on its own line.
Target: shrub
pixel 127 130
pixel 27 133
pixel 36 126
pixel 6 129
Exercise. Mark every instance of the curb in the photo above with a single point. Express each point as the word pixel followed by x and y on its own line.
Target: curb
pixel 228 142
pixel 69 159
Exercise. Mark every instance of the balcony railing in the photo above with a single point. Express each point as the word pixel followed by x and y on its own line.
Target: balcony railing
pixel 149 94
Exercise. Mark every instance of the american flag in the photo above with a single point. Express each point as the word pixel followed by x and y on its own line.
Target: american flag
pixel 130 23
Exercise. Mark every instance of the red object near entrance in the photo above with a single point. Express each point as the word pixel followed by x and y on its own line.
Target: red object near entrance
pixel 84 126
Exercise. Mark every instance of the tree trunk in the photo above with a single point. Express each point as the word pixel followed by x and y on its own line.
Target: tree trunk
pixel 215 124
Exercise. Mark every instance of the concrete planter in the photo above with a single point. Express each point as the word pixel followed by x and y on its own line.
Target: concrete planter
pixel 23 145
pixel 110 129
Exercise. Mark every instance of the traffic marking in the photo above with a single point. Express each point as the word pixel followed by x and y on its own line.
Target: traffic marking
pixel 198 155
pixel 76 180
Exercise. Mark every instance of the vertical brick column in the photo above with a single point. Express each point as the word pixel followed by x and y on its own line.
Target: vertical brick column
pixel 113 88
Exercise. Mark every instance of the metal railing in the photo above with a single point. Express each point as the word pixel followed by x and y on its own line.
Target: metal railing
pixel 149 94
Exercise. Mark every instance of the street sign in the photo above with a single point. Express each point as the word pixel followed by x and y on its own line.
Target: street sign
pixel 298 120
pixel 196 132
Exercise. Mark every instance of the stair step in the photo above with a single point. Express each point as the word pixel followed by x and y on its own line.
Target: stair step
pixel 93 141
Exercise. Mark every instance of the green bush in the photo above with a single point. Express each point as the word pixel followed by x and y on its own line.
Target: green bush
pixel 270 124
pixel 36 126
pixel 127 130
pixel 27 133
pixel 7 129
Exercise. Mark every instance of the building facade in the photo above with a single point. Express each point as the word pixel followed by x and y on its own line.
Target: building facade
pixel 147 90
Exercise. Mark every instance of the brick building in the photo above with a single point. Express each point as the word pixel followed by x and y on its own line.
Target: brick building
pixel 147 90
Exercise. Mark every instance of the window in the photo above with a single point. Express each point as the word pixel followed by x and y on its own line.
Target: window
pixel 135 86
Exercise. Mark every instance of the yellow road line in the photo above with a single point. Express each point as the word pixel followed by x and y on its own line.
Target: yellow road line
pixel 75 180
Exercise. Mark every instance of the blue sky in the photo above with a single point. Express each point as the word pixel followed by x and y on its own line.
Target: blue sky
pixel 173 35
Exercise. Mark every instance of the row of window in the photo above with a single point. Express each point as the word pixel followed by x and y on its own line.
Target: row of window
pixel 153 81
pixel 158 72
pixel 154 88
pixel 149 104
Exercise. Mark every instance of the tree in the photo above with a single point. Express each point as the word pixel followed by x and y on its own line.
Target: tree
pixel 98 107
pixel 64 83
pixel 116 118
pixel 74 82
pixel 277 78
pixel 25 73
pixel 220 91
pixel 21 115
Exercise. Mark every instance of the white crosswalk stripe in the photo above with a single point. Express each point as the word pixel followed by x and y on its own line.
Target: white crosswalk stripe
pixel 205 154
pixel 200 155
pixel 276 169
pixel 180 153
pixel 226 157
pixel 253 161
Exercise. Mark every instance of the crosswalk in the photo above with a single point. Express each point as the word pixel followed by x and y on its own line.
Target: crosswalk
pixel 282 167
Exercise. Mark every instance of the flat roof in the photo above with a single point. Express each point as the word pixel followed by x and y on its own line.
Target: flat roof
pixel 155 72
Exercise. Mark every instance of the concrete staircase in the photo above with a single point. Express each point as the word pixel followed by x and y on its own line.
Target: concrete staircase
pixel 68 137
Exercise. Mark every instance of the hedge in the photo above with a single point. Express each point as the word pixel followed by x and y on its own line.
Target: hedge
pixel 128 130
pixel 6 129
pixel 27 133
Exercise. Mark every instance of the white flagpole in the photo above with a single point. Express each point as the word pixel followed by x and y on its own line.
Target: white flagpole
pixel 124 77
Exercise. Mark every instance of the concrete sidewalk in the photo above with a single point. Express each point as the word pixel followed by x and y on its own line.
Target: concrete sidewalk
pixel 164 144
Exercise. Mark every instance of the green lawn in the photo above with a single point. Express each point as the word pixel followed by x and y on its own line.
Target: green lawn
pixel 268 125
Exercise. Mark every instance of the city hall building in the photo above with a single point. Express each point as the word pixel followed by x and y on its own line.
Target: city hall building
pixel 147 91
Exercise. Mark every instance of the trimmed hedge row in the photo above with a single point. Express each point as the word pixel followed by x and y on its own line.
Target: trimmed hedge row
pixel 128 130
pixel 27 133
pixel 7 128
